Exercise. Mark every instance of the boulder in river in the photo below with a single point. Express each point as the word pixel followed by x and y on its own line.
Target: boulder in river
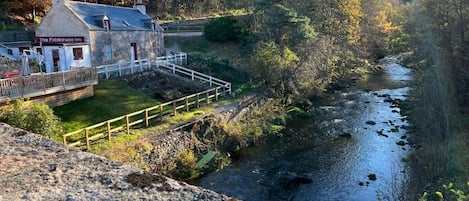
pixel 296 182
pixel 401 143
pixel 380 133
pixel 372 177
pixel 346 135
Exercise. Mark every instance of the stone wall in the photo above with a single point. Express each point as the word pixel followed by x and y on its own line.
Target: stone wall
pixel 35 168
pixel 149 45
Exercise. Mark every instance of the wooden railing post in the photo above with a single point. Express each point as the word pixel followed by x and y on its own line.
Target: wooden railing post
pixel 63 79
pixel 109 130
pixel 174 108
pixel 146 118
pixel 140 65
pixel 198 100
pixel 207 97
pixel 161 112
pixel 210 80
pixel 192 75
pixel 88 146
pixel 216 94
pixel 187 104
pixel 127 124
pixel 64 139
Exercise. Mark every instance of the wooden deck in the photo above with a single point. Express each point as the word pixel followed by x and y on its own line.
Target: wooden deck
pixel 46 83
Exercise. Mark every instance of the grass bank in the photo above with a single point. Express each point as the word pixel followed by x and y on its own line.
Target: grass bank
pixel 111 99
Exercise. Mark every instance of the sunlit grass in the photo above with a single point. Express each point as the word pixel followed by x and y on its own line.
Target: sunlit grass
pixel 111 99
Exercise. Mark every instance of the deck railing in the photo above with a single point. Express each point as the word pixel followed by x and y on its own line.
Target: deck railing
pixel 46 83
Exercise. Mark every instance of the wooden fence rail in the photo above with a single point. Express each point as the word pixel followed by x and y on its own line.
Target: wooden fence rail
pixel 130 67
pixel 46 83
pixel 170 63
pixel 85 136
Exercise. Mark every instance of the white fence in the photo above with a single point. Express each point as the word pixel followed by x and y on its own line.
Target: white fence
pixel 170 63
pixel 131 67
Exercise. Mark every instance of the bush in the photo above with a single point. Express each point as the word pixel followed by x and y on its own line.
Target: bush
pixel 33 117
pixel 186 166
pixel 223 29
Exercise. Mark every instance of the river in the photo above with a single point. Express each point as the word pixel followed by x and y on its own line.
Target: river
pixel 315 159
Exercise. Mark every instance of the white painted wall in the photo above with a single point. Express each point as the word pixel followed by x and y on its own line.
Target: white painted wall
pixel 66 57
pixel 85 62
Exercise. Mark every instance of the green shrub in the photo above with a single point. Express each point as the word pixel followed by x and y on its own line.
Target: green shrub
pixel 34 117
pixel 223 29
pixel 186 166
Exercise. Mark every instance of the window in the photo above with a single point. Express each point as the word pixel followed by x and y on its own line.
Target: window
pixel 39 51
pixel 77 53
pixel 22 50
pixel 106 25
pixel 107 52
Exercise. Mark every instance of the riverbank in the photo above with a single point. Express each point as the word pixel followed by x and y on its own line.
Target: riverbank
pixel 440 134
pixel 355 138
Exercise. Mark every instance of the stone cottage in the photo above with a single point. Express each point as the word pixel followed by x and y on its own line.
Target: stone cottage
pixel 79 34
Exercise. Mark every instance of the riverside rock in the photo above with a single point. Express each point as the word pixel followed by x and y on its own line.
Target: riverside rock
pixel 33 167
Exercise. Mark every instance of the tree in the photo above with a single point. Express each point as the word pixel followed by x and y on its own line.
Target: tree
pixel 283 25
pixel 272 62
pixel 339 19
pixel 223 29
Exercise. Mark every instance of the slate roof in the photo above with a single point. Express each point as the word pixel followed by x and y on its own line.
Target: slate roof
pixel 121 18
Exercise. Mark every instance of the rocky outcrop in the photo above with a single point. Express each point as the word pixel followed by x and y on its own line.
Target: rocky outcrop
pixel 35 168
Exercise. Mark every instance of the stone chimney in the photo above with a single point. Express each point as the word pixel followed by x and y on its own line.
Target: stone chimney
pixel 141 7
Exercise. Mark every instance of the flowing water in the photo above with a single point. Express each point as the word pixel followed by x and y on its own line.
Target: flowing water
pixel 312 162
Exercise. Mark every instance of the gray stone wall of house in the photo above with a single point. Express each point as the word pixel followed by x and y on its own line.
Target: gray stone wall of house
pixel 60 21
pixel 150 45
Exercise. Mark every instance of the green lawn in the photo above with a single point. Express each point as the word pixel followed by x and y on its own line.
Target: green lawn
pixel 111 99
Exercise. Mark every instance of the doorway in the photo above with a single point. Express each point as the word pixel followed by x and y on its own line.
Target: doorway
pixel 55 60
pixel 133 51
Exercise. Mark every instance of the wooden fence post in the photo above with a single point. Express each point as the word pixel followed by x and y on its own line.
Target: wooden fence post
pixel 64 139
pixel 109 130
pixel 207 97
pixel 198 100
pixel 174 108
pixel 127 124
pixel 187 104
pixel 88 146
pixel 210 80
pixel 63 79
pixel 161 112
pixel 43 77
pixel 146 118
pixel 216 94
